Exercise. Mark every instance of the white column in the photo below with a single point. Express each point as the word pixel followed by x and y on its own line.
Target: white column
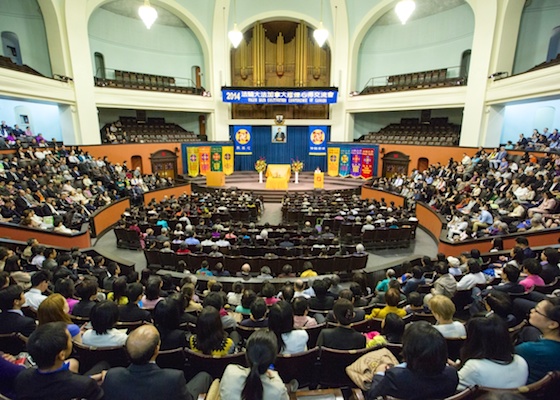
pixel 495 33
pixel 85 121
pixel 218 127
pixel 342 124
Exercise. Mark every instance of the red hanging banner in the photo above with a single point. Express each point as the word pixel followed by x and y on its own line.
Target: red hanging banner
pixel 367 163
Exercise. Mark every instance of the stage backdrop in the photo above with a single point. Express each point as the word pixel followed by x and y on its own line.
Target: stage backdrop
pixel 296 146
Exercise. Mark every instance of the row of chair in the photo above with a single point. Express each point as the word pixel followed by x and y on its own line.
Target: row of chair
pixel 416 80
pixel 6 62
pixel 322 265
pixel 140 81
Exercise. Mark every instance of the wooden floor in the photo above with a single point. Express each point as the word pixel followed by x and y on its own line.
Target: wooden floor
pixel 249 180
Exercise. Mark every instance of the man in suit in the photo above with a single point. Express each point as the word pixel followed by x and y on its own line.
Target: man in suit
pixel 50 345
pixel 143 379
pixel 12 318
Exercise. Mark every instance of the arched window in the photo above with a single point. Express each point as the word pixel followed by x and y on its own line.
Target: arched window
pixel 553 44
pixel 10 47
pixel 465 63
pixel 99 65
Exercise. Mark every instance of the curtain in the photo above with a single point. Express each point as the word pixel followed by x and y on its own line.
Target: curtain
pixel 296 146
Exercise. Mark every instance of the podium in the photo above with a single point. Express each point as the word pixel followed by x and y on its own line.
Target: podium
pixel 319 180
pixel 214 178
pixel 278 176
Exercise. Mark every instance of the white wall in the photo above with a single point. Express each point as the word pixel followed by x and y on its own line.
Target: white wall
pixel 523 118
pixel 424 44
pixel 373 122
pixel 537 22
pixel 24 18
pixel 127 45
pixel 43 118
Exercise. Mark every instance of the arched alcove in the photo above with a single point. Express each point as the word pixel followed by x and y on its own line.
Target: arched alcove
pixel 115 31
pixel 434 38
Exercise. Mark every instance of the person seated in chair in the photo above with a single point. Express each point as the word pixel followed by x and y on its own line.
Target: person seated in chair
pixel 11 317
pixel 143 379
pixel 343 337
pixel 50 345
pixel 424 374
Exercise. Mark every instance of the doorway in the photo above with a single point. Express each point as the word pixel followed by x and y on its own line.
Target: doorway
pixel 423 164
pixel 395 163
pixel 164 163
pixel 136 161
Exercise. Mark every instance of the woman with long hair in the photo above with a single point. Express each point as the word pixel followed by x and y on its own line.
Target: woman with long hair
pixel 210 336
pixel 487 357
pixel 281 322
pixel 55 309
pixel 257 382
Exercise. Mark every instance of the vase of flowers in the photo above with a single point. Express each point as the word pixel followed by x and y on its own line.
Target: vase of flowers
pixel 260 166
pixel 297 167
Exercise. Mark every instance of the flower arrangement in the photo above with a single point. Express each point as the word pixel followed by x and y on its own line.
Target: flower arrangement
pixel 260 165
pixel 297 165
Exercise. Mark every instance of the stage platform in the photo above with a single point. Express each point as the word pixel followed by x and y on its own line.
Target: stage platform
pixel 249 180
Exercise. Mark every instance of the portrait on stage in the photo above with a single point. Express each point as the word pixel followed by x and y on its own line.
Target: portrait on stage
pixel 279 134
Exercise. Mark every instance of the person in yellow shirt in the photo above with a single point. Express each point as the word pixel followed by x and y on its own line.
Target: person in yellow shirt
pixel 392 298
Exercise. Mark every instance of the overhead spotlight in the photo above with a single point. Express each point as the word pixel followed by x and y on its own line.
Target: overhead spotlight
pixel 404 9
pixel 321 34
pixel 148 14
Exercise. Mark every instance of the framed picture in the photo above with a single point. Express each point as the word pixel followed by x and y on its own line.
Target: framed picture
pixel 279 134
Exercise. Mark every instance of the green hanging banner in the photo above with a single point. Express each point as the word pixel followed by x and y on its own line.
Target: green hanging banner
pixel 216 157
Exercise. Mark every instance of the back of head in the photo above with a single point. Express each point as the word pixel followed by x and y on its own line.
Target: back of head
pixel 511 272
pixel 417 272
pixel 8 296
pixel 247 298
pixel 167 314
pixel 209 330
pixel 424 348
pixel 487 338
pixel 532 266
pixel 300 305
pixel 215 300
pixel 46 342
pixel 393 328
pixel 281 320
pixel 474 266
pixel 152 287
pixel 343 311
pixel 392 297
pixel 261 352
pixel 87 289
pixel 320 288
pixel 52 310
pixel 39 277
pixel 104 315
pixel 442 306
pixel 142 343
pixel 258 308
pixel 134 291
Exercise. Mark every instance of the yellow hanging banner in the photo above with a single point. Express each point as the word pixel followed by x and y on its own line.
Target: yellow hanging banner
pixel 334 160
pixel 227 159
pixel 192 154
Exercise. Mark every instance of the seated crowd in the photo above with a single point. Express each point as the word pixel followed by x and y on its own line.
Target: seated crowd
pixel 463 297
pixel 66 184
pixel 15 137
pixel 539 141
pixel 488 194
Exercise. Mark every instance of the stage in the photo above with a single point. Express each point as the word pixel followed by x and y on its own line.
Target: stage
pixel 249 180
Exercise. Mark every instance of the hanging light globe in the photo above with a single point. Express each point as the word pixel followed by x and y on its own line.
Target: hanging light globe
pixel 404 9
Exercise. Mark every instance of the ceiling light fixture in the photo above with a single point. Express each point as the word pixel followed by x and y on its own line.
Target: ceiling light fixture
pixel 404 9
pixel 321 34
pixel 235 36
pixel 148 14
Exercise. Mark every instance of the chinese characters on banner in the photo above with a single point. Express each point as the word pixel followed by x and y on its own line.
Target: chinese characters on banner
pixel 367 163
pixel 243 139
pixel 280 96
pixel 317 140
